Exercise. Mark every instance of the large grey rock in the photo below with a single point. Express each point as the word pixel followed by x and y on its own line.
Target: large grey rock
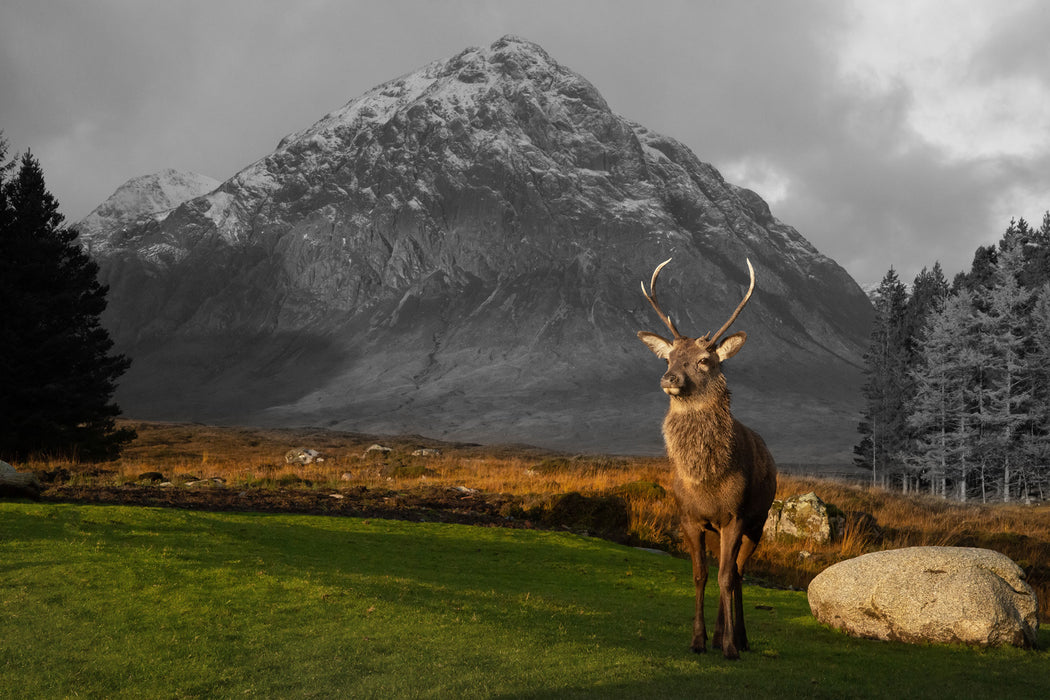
pixel 929 594
pixel 19 484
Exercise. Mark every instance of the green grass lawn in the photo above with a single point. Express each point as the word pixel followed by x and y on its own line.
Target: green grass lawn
pixel 137 602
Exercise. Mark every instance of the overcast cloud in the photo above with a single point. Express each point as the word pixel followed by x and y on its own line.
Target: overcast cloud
pixel 888 133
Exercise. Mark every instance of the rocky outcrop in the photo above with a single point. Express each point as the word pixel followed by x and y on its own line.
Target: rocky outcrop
pixel 928 594
pixel 803 516
pixel 19 484
pixel 457 253
pixel 303 455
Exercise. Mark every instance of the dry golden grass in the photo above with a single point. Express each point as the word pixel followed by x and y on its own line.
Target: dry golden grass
pixel 246 457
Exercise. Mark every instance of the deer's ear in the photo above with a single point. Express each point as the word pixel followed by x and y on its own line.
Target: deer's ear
pixel 730 346
pixel 660 347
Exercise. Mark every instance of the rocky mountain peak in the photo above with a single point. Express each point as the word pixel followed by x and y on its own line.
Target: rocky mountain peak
pixel 144 197
pixel 511 68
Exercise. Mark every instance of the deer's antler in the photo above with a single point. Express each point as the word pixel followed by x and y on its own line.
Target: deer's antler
pixel 739 308
pixel 651 296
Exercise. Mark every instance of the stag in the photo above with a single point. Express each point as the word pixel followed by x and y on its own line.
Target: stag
pixel 724 477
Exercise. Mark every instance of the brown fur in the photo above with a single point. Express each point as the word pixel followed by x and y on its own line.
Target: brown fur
pixel 724 477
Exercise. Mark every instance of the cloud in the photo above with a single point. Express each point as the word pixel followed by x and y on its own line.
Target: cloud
pixel 925 147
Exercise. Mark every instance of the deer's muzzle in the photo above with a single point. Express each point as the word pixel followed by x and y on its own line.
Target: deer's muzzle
pixel 671 384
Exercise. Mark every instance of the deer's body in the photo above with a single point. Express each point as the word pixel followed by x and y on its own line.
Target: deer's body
pixel 708 483
pixel 724 477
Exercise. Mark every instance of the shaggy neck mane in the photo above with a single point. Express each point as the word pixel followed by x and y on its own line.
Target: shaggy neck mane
pixel 699 434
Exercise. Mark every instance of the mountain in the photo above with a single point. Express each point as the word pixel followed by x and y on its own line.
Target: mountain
pixel 457 253
pixel 149 197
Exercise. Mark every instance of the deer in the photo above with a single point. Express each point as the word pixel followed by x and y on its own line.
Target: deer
pixel 724 476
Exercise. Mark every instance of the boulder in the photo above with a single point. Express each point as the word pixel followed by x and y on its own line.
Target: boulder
pixel 19 484
pixel 929 594
pixel 804 516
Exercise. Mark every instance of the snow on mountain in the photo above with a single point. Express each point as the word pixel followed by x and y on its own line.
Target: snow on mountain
pixel 456 252
pixel 144 197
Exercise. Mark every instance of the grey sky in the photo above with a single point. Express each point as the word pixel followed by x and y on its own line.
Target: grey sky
pixel 888 133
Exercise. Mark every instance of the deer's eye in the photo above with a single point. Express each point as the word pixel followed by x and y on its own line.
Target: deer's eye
pixel 703 363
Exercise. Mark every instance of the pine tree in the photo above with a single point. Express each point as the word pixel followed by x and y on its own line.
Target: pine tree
pixel 928 293
pixel 1006 384
pixel 1040 365
pixel 882 427
pixel 940 417
pixel 1038 267
pixel 981 272
pixel 57 377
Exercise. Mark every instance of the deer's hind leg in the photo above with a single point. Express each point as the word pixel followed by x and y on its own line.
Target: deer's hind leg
pixel 747 547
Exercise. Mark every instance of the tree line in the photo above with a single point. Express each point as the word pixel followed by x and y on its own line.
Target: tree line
pixel 957 390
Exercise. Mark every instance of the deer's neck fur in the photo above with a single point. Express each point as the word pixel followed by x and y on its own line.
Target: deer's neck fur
pixel 699 435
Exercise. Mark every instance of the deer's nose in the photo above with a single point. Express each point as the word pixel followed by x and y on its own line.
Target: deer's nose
pixel 670 380
pixel 671 384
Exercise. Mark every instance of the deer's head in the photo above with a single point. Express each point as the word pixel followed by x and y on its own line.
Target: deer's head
pixel 694 365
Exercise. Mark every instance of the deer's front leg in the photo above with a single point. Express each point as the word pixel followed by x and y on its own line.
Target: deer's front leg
pixel 694 541
pixel 729 599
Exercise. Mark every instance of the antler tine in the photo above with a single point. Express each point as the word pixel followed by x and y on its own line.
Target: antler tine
pixel 651 296
pixel 739 308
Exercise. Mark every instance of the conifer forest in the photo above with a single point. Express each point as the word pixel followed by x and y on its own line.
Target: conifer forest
pixel 957 390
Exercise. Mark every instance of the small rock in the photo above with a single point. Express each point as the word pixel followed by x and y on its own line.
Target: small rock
pixel 427 452
pixel 214 481
pixel 303 456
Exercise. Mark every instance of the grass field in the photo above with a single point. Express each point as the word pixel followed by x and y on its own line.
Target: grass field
pixel 107 601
